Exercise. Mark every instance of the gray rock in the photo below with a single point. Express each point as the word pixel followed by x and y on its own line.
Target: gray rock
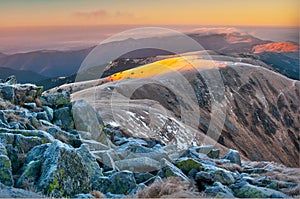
pixel 205 149
pixel 82 195
pixel 37 152
pixel 121 183
pixel 113 132
pixel 245 190
pixel 56 99
pixel 87 119
pixel 192 173
pixel 126 142
pixel 63 172
pixel 26 93
pixel 214 153
pixel 17 125
pixel 142 177
pixel 8 93
pixel 5 167
pixel 223 176
pixel 11 80
pixel 141 164
pixel 10 192
pixel 110 195
pixel 30 105
pixel 265 182
pixel 233 156
pixel 186 164
pixel 63 118
pixel 109 173
pixel 133 193
pixel 196 152
pixel 3 125
pixel 204 177
pixel 94 145
pixel 101 184
pixel 2 149
pixel 49 112
pixel 153 180
pixel 168 169
pixel 90 162
pixel 219 191
pixel 42 116
pixel 28 136
pixel 30 175
pixel 66 137
pixel 107 158
pixel 3 118
pixel 215 175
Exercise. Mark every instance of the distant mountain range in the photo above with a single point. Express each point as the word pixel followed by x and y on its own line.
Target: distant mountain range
pixel 46 63
pixel 59 67
pixel 22 76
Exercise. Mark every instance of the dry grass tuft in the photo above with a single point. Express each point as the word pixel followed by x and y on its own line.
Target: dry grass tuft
pixel 16 118
pixel 62 138
pixel 277 171
pixel 171 187
pixel 38 102
pixel 231 167
pixel 5 105
pixel 285 174
pixel 295 191
pixel 98 194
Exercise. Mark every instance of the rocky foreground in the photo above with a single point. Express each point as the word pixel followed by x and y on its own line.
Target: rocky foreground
pixel 44 152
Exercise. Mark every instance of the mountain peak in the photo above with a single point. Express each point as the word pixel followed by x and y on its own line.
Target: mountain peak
pixel 278 47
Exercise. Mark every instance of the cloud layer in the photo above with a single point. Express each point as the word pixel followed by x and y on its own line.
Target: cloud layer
pixel 101 13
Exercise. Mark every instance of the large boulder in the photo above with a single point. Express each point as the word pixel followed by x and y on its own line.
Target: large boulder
pixel 215 175
pixel 233 156
pixel 121 183
pixel 87 119
pixel 168 170
pixel 89 162
pixel 63 118
pixel 186 164
pixel 223 176
pixel 141 164
pixel 63 172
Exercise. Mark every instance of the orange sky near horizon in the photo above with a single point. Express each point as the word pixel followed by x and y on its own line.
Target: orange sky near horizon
pixel 22 13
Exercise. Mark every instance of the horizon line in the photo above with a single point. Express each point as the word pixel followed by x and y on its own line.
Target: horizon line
pixel 153 25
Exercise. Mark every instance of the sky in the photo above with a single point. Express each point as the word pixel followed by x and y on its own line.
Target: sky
pixel 29 25
pixel 25 13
